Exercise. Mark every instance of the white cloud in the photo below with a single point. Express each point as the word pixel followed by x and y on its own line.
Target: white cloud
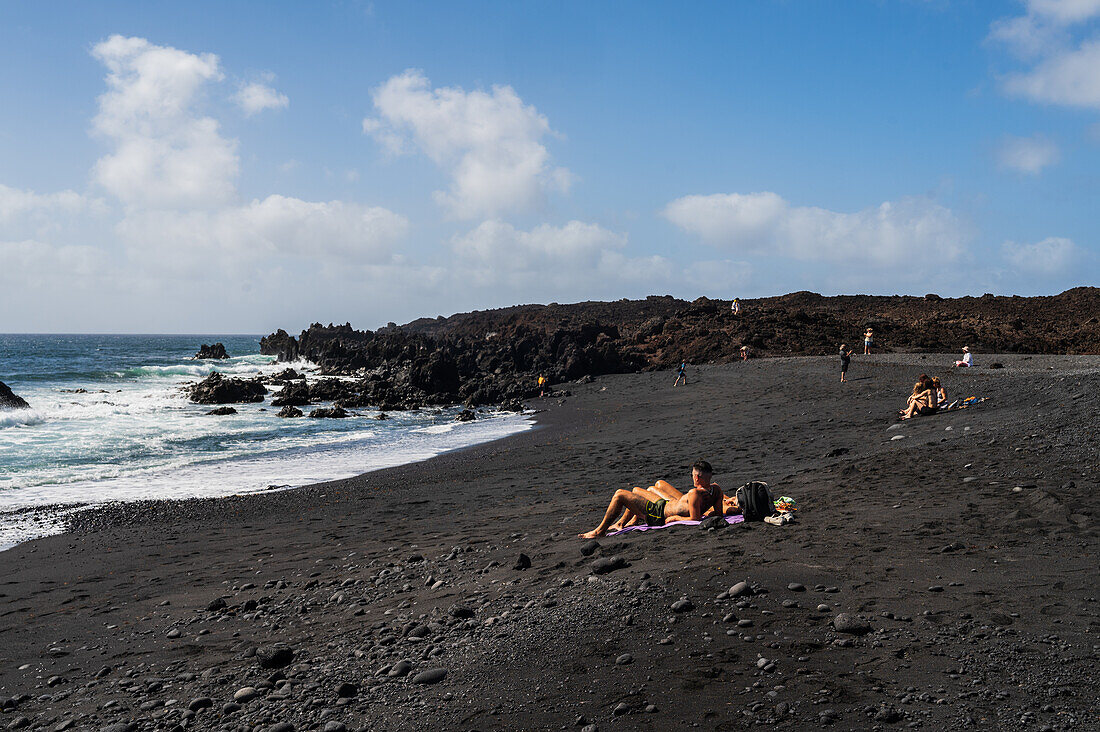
pixel 1070 78
pixel 30 265
pixel 256 97
pixel 166 154
pixel 1058 35
pixel 577 253
pixel 913 231
pixel 16 203
pixel 1051 256
pixel 1027 154
pixel 201 242
pixel 490 143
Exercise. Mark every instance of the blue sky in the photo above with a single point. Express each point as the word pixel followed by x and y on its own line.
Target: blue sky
pixel 217 167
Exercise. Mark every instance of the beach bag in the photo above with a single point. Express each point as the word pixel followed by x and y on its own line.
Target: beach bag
pixel 755 500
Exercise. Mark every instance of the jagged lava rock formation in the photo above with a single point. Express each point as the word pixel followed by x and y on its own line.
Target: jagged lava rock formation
pixel 494 356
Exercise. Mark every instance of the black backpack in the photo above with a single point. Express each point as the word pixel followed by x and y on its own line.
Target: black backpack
pixel 755 500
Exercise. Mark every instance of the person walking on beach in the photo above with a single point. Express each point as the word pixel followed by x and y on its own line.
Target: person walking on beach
pixel 967 359
pixel 542 385
pixel 868 341
pixel 845 360
pixel 744 353
pixel 703 496
pixel 736 307
pixel 681 373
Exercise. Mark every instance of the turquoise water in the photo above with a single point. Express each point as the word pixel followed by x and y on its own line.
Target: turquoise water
pixel 132 433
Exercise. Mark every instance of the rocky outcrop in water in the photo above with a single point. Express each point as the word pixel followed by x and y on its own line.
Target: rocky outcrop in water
pixel 10 400
pixel 216 351
pixel 218 389
pixel 495 356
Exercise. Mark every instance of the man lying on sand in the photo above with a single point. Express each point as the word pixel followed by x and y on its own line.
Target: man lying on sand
pixel 663 503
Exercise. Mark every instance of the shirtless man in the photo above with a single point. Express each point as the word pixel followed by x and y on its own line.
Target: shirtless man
pixel 702 497
pixel 663 489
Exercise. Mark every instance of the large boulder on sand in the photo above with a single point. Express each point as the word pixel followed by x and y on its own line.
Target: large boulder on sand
pixel 217 389
pixel 9 400
pixel 216 351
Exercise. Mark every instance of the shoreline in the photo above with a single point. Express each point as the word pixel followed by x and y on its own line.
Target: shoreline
pixel 923 538
pixel 103 510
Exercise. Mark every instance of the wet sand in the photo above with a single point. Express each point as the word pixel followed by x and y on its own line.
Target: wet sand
pixel 963 553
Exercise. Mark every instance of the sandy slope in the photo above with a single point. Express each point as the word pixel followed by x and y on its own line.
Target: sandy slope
pixel 981 599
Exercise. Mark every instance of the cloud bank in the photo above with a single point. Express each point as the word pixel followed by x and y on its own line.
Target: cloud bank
pixel 490 144
pixel 912 231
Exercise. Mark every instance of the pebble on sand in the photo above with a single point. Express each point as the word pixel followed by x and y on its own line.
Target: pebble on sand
pixel 274 656
pixel 739 589
pixel 607 565
pixel 431 676
pixel 851 624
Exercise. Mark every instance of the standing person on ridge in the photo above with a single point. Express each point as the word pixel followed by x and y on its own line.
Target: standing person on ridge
pixel 681 373
pixel 736 306
pixel 845 360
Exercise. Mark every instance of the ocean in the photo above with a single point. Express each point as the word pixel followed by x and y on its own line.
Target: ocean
pixel 109 421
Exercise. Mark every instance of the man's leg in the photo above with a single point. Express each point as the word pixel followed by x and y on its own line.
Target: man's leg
pixel 664 489
pixel 629 518
pixel 622 500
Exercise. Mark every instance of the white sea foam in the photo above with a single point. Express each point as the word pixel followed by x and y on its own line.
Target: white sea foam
pixel 20 417
pixel 343 456
pixel 134 434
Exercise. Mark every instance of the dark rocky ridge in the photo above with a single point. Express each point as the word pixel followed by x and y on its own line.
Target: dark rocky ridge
pixel 219 389
pixel 216 351
pixel 494 356
pixel 11 400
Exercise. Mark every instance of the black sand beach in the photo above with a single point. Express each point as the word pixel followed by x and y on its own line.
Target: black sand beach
pixel 962 547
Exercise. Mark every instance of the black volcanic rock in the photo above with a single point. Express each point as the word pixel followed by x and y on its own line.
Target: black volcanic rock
pixel 333 413
pixel 10 400
pixel 289 411
pixel 217 389
pixel 294 394
pixel 222 411
pixel 216 351
pixel 494 357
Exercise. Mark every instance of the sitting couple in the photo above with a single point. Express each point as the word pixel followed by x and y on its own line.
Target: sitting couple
pixel 927 397
pixel 661 503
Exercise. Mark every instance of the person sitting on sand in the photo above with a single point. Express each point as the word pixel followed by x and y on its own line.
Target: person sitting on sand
pixel 656 511
pixel 681 373
pixel 868 341
pixel 967 359
pixel 938 392
pixel 845 360
pixel 921 402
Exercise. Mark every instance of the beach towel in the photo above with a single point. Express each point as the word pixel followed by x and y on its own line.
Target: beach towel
pixel 643 527
pixel 962 404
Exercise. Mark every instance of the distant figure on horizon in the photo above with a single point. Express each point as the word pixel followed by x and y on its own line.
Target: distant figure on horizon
pixel 744 353
pixel 845 360
pixel 542 385
pixel 681 373
pixel 736 307
pixel 967 359
pixel 868 341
